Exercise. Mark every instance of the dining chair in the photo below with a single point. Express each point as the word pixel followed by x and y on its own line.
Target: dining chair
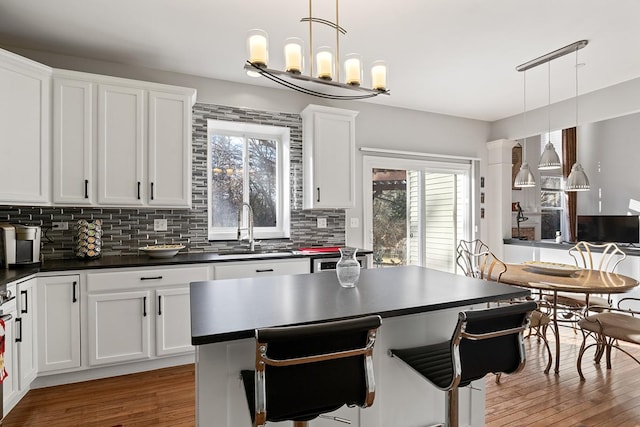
pixel 572 304
pixel 483 342
pixel 476 260
pixel 608 326
pixel 304 371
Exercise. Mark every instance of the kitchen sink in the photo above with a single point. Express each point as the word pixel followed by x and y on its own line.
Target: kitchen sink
pixel 246 253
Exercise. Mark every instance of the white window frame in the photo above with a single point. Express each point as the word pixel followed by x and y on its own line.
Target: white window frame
pixel 283 214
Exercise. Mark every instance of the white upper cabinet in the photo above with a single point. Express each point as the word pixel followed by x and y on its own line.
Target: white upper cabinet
pixel 74 136
pixel 169 149
pixel 24 131
pixel 121 136
pixel 121 142
pixel 328 157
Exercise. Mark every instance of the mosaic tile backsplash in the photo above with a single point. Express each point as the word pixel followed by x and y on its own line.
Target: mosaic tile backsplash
pixel 127 229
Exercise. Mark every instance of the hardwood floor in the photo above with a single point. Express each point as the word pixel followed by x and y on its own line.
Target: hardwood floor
pixel 166 397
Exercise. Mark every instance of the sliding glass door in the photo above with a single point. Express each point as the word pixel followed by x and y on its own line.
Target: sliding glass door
pixel 418 211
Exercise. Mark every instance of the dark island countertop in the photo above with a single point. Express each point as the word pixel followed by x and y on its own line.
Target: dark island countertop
pixel 225 310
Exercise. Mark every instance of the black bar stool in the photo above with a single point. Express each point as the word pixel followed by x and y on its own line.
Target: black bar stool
pixel 484 341
pixel 304 371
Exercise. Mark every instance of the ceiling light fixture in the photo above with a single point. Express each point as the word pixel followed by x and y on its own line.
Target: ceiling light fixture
pixel 577 179
pixel 325 74
pixel 525 177
pixel 549 160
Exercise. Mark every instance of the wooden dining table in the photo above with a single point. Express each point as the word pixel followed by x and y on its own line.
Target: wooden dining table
pixel 581 281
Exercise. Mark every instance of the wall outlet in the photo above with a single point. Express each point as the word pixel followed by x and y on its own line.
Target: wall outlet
pixel 60 225
pixel 159 225
pixel 322 222
pixel 355 222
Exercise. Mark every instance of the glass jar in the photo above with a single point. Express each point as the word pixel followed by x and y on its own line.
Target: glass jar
pixel 348 268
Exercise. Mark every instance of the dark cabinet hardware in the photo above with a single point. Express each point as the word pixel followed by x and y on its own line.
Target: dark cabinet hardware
pixel 25 309
pixel 86 188
pixel 19 335
pixel 144 306
pixel 139 190
pixel 264 270
pixel 74 297
pixel 159 305
pixel 152 191
pixel 151 278
pixel 318 195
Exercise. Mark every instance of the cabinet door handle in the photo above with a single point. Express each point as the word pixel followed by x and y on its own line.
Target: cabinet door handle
pixel 26 302
pixel 138 190
pixel 152 191
pixel 74 297
pixel 159 305
pixel 318 200
pixel 151 278
pixel 264 270
pixel 86 188
pixel 144 307
pixel 19 335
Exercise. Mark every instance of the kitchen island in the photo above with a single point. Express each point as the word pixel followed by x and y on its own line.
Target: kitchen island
pixel 418 306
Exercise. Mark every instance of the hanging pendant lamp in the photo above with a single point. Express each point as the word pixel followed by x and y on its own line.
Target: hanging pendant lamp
pixel 549 160
pixel 577 179
pixel 525 177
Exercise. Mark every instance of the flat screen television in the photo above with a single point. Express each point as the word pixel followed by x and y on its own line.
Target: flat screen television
pixel 609 228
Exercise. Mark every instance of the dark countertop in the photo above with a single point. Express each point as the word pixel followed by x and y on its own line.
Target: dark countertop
pixel 550 244
pixel 14 274
pixel 225 310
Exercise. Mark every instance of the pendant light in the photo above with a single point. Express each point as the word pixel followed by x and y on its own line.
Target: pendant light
pixel 577 179
pixel 524 178
pixel 549 160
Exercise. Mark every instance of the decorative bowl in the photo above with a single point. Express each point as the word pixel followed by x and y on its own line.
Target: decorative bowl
pixel 553 268
pixel 161 251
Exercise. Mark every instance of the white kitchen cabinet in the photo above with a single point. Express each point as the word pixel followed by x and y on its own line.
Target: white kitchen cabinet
pixel 121 148
pixel 58 323
pixel 328 157
pixel 169 176
pixel 173 332
pixel 140 314
pixel 74 141
pixel 10 385
pixel 26 333
pixel 119 324
pixel 275 267
pixel 120 142
pixel 24 131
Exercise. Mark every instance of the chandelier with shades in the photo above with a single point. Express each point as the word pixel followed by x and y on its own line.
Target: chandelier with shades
pixel 323 78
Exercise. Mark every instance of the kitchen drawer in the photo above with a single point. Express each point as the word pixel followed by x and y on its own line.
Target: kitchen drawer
pixel 128 280
pixel 242 269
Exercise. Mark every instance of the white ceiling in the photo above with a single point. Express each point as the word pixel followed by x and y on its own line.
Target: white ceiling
pixel 455 57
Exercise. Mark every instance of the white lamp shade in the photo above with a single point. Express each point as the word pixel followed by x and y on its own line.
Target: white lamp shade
pixel 293 55
pixel 577 179
pixel 258 47
pixel 524 178
pixel 549 159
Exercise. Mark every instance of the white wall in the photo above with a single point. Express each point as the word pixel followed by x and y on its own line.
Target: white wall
pixel 609 152
pixel 377 125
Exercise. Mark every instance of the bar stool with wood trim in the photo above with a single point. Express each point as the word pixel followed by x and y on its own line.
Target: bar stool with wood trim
pixel 302 372
pixel 483 342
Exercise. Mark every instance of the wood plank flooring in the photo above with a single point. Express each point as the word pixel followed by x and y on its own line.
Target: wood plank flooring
pixel 166 397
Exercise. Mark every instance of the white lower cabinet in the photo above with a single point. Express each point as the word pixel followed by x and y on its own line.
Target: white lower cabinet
pixel 173 334
pixel 119 327
pixel 26 333
pixel 10 385
pixel 58 323
pixel 275 267
pixel 140 314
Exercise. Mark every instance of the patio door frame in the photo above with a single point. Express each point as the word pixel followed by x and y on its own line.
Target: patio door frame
pixel 454 166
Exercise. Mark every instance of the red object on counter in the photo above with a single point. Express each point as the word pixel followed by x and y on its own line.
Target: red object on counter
pixel 320 250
